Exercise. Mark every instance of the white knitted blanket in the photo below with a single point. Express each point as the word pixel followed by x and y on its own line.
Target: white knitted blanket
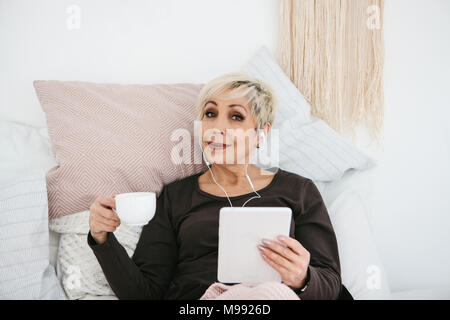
pixel 77 266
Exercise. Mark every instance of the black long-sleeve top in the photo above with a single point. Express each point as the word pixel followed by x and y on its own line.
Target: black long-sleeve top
pixel 177 253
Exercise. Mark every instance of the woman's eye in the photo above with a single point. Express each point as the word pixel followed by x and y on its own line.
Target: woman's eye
pixel 209 114
pixel 238 117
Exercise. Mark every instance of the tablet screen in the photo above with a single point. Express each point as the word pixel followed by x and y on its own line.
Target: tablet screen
pixel 240 231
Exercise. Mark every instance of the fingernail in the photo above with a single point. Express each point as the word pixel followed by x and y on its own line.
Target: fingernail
pixel 261 247
pixel 265 241
pixel 282 238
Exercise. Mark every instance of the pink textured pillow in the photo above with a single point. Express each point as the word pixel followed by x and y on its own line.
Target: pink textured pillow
pixel 113 138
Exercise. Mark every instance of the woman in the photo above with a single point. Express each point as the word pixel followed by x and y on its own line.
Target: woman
pixel 176 255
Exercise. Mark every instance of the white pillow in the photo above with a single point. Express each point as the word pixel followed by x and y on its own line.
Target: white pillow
pixel 307 145
pixel 25 272
pixel 362 270
pixel 23 148
pixel 78 269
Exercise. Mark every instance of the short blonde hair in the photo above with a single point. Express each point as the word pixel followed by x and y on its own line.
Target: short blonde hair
pixel 260 95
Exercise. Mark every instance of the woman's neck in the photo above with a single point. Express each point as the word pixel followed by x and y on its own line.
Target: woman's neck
pixel 233 175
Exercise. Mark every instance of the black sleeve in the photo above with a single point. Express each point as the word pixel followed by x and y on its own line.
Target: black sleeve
pixel 314 231
pixel 148 273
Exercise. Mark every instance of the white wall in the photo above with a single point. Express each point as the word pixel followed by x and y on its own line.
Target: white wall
pixel 413 181
pixel 124 41
pixel 192 41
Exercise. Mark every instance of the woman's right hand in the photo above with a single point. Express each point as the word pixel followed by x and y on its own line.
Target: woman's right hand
pixel 102 219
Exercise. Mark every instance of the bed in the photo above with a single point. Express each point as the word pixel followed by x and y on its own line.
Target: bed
pixel 338 195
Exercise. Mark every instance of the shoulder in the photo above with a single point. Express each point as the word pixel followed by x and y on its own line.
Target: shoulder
pixel 292 178
pixel 299 186
pixel 303 190
pixel 182 185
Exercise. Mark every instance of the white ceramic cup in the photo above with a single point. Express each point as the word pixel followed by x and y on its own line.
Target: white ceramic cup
pixel 135 208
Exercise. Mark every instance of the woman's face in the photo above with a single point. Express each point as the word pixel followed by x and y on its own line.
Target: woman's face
pixel 228 130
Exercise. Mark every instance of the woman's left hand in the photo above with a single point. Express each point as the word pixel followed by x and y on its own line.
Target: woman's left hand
pixel 291 260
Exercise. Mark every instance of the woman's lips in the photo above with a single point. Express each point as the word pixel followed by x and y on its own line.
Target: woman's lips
pixel 217 146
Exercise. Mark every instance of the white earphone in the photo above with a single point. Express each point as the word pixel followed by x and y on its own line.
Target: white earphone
pixel 262 135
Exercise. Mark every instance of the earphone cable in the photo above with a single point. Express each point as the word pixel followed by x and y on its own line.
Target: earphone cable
pixel 251 184
pixel 223 189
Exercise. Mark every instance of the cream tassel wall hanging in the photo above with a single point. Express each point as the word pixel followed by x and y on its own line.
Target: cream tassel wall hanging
pixel 333 51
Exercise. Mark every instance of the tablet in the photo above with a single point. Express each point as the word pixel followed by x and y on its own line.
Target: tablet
pixel 241 229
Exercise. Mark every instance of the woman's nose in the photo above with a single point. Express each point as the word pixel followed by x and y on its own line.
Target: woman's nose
pixel 218 131
pixel 220 126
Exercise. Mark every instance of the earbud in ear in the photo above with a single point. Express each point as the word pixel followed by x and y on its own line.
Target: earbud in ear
pixel 262 135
